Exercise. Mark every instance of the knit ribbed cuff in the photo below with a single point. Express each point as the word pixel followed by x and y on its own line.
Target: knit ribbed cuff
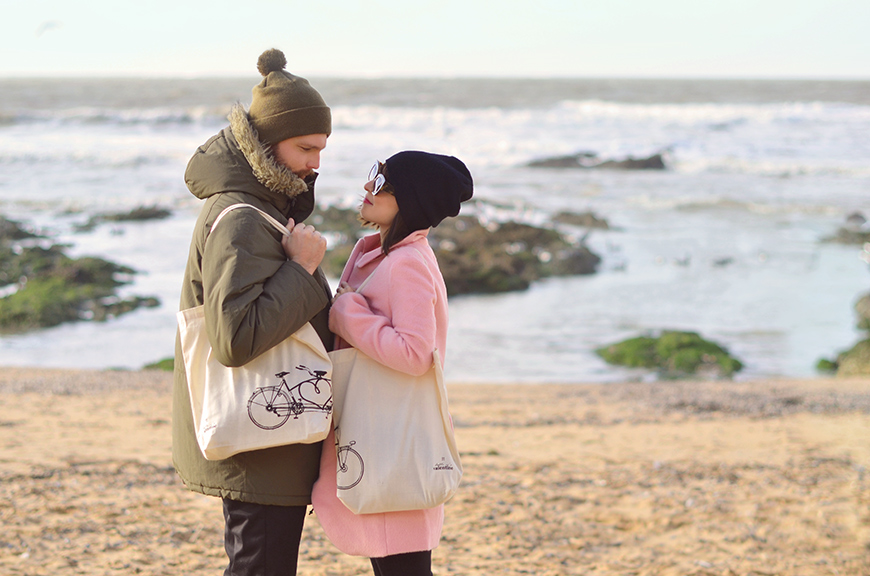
pixel 292 123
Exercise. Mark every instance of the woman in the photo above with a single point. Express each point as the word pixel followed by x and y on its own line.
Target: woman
pixel 399 322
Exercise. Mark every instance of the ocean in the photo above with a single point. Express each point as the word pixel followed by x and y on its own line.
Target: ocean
pixel 727 241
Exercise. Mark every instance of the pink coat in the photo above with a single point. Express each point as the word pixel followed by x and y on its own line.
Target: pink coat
pixel 399 322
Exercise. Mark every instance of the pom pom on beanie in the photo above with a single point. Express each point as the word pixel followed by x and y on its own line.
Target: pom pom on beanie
pixel 428 187
pixel 272 60
pixel 285 106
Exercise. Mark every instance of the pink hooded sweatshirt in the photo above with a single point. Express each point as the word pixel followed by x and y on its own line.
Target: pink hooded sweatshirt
pixel 399 322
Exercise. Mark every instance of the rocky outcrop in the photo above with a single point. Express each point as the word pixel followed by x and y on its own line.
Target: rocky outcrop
pixel 581 219
pixel 579 160
pixel 138 214
pixel 855 231
pixel 164 365
pixel 847 236
pixel 474 258
pixel 44 287
pixel 589 160
pixel 862 309
pixel 673 354
pixel 504 257
pixel 856 360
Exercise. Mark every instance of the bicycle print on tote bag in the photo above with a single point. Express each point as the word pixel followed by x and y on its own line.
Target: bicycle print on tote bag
pixel 284 396
pixel 394 441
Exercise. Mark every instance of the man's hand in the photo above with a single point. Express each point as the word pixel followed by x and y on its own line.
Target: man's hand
pixel 304 245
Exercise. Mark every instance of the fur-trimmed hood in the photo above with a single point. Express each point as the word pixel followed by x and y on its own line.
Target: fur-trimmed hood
pixel 236 160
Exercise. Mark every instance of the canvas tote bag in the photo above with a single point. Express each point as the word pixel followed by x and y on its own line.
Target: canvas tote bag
pixel 394 441
pixel 284 396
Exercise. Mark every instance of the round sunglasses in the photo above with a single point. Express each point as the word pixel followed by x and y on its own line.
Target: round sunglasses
pixel 379 179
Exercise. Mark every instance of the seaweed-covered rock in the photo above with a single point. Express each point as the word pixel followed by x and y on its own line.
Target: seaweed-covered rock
pixel 474 258
pixel 335 259
pixel 654 162
pixel 847 236
pixel 345 227
pixel 45 287
pixel 164 365
pixel 505 257
pixel 579 160
pixel 855 230
pixel 589 160
pixel 855 361
pixel 342 221
pixel 862 308
pixel 674 354
pixel 827 366
pixel 11 231
pixel 581 219
pixel 138 214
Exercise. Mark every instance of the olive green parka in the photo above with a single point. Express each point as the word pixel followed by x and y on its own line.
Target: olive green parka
pixel 254 298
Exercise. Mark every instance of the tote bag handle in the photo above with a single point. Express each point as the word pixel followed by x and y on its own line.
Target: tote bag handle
pixel 275 224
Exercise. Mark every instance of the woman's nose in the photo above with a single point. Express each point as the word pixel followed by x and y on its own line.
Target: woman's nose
pixel 369 186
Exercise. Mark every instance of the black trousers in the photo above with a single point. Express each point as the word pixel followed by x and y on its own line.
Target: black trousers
pixel 411 564
pixel 262 540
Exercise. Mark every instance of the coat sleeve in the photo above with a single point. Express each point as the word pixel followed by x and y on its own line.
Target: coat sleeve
pixel 253 296
pixel 405 341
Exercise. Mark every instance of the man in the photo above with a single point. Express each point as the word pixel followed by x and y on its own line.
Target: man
pixel 257 289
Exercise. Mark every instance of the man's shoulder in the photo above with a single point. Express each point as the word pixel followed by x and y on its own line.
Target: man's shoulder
pixel 238 223
pixel 219 202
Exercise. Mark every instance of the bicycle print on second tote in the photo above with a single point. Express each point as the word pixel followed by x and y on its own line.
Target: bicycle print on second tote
pixel 350 466
pixel 271 406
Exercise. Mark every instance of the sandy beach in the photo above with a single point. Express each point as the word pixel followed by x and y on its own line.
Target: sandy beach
pixel 688 478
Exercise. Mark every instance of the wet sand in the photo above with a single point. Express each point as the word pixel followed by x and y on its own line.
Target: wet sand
pixel 689 478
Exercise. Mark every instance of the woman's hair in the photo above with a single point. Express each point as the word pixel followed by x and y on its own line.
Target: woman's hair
pixel 398 231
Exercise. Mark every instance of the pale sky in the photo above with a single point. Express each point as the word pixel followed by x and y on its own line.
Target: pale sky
pixel 539 38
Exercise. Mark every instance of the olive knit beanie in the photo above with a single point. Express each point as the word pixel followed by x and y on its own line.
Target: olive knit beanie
pixel 428 187
pixel 285 106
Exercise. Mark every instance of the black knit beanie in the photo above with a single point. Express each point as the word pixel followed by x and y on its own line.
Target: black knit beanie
pixel 285 106
pixel 428 187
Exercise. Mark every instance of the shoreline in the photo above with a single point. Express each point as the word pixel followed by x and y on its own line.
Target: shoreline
pixel 764 477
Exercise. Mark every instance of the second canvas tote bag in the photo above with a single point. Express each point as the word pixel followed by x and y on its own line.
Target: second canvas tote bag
pixel 395 447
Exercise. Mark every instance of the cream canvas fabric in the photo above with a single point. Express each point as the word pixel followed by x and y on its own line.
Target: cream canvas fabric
pixel 284 396
pixel 395 446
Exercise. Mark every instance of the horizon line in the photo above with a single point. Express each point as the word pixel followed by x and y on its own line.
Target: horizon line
pixel 374 77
